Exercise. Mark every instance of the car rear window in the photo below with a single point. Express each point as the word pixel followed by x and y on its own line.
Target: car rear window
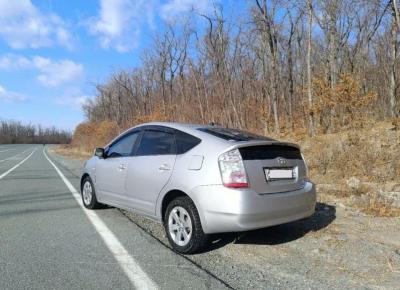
pixel 233 134
pixel 185 142
pixel 156 143
pixel 264 152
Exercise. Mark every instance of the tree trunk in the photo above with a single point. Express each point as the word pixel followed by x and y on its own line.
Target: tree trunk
pixel 332 63
pixel 393 60
pixel 309 81
pixel 274 94
pixel 272 43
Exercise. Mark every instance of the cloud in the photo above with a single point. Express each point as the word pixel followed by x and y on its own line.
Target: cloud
pixel 54 73
pixel 11 96
pixel 51 73
pixel 13 61
pixel 174 8
pixel 22 25
pixel 119 22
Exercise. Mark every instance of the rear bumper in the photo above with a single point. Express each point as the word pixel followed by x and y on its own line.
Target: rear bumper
pixel 223 209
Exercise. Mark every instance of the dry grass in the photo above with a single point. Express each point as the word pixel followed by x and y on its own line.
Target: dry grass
pixel 378 208
pixel 356 164
pixel 72 152
pixel 371 154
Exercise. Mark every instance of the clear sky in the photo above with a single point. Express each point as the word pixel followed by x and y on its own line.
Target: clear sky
pixel 53 52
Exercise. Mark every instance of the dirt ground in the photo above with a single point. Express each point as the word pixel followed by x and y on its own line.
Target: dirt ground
pixel 338 247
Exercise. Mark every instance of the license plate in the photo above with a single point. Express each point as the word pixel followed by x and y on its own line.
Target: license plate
pixel 276 174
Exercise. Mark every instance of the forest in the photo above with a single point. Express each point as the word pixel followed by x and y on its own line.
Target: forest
pixel 13 132
pixel 310 66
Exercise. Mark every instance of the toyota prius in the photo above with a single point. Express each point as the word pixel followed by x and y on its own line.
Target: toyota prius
pixel 199 180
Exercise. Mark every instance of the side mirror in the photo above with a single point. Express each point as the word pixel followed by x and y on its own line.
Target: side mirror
pixel 99 152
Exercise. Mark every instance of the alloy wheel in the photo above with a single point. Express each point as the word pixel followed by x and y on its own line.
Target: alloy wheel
pixel 180 226
pixel 87 193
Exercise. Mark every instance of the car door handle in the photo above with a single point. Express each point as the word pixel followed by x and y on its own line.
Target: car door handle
pixel 164 167
pixel 122 167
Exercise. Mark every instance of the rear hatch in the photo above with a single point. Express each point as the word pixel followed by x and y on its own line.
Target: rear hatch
pixel 273 167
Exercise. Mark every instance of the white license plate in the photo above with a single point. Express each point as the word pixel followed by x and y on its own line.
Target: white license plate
pixel 276 174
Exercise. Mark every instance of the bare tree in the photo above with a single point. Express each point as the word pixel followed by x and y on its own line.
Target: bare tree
pixel 303 64
pixel 393 60
pixel 309 76
pixel 13 132
pixel 270 39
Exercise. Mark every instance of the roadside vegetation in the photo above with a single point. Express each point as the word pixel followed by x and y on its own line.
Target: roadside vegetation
pixel 358 167
pixel 319 72
pixel 13 132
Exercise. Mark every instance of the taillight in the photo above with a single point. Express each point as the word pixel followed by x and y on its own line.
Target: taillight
pixel 305 165
pixel 306 178
pixel 232 169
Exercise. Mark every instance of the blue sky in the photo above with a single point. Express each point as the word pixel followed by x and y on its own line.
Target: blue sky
pixel 53 52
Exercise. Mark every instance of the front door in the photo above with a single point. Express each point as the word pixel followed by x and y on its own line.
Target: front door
pixel 111 171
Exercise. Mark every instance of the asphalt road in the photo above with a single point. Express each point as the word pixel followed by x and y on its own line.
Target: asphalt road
pixel 48 241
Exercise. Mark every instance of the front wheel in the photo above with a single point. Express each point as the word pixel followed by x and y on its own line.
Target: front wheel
pixel 183 227
pixel 89 198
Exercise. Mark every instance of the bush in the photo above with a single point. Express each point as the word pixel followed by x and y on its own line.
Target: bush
pixel 90 135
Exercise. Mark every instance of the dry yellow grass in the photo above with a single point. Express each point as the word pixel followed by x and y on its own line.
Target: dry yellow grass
pixel 371 154
pixel 356 164
pixel 71 152
pixel 377 208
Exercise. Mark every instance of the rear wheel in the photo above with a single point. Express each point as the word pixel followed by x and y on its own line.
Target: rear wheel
pixel 89 194
pixel 183 227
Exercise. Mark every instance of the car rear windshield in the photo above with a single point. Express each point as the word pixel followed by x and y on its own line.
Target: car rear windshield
pixel 233 134
pixel 264 152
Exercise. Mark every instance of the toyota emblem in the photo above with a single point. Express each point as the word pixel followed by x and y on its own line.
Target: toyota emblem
pixel 282 161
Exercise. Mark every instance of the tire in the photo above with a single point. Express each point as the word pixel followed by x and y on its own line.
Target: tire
pixel 88 194
pixel 183 209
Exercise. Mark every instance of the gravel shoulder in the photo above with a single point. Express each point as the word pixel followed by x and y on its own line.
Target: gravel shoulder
pixel 338 247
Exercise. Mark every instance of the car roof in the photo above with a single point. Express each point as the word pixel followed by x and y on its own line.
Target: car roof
pixel 216 133
pixel 176 125
pixel 184 127
pixel 193 130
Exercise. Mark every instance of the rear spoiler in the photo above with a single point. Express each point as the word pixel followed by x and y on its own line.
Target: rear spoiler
pixel 258 143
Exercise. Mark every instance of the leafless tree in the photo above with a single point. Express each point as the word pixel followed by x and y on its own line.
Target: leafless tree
pixel 281 65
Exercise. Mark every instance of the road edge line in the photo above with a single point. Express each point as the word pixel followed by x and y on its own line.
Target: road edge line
pixel 16 166
pixel 128 264
pixel 6 150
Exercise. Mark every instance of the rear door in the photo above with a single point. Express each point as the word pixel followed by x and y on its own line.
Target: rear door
pixel 274 168
pixel 150 169
pixel 111 171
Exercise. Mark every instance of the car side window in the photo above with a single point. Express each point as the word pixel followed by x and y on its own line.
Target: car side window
pixel 185 142
pixel 123 147
pixel 156 143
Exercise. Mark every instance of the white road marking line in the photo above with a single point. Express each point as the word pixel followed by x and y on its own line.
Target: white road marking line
pixel 14 156
pixel 16 166
pixel 7 150
pixel 128 264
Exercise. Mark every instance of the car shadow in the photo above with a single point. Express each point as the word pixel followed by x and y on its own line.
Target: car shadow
pixel 324 215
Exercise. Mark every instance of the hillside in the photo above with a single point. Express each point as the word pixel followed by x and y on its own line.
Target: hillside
pixel 359 167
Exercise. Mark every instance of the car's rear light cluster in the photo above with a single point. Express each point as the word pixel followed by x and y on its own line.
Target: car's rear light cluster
pixel 306 178
pixel 232 169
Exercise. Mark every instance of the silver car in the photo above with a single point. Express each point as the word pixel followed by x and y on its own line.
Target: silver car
pixel 199 180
